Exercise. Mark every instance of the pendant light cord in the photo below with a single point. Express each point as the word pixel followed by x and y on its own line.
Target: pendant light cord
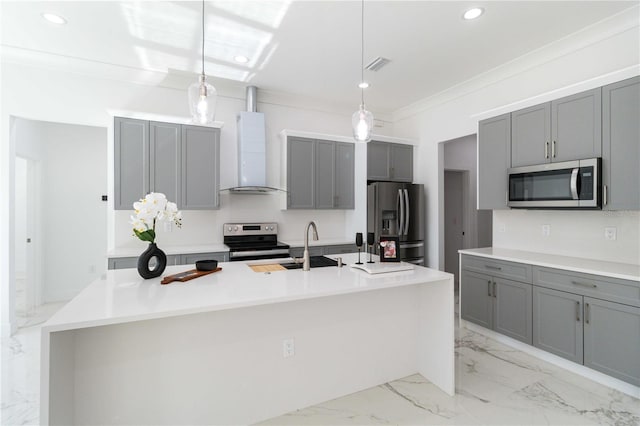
pixel 362 54
pixel 202 37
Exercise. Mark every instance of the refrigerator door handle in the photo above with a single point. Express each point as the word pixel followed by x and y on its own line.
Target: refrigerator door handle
pixel 400 212
pixel 407 212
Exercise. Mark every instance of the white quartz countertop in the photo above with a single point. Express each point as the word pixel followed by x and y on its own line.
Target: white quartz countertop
pixel 321 242
pixel 122 296
pixel 137 251
pixel 624 271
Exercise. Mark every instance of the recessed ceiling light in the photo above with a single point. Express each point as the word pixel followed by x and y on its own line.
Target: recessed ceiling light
pixel 473 13
pixel 54 19
pixel 241 59
pixel 363 85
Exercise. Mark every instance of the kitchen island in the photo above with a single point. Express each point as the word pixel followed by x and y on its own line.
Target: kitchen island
pixel 212 350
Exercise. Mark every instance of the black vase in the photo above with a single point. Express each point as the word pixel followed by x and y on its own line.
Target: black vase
pixel 146 257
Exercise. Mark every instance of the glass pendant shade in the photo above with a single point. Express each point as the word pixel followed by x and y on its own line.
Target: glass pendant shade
pixel 202 101
pixel 362 123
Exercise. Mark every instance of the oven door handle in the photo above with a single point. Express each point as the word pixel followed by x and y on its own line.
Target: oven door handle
pixel 574 183
pixel 248 253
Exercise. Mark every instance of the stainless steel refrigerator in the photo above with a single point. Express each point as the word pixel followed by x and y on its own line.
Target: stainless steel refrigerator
pixel 397 209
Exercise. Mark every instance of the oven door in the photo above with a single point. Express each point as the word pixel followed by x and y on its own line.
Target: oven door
pixel 249 254
pixel 570 184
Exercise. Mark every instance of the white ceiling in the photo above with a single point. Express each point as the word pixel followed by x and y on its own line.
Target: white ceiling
pixel 309 48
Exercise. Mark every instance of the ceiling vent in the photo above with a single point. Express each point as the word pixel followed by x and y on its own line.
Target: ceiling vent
pixel 377 63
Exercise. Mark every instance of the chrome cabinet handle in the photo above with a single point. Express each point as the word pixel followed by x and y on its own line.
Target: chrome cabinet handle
pixel 584 284
pixel 546 150
pixel 586 313
pixel 553 149
pixel 495 293
pixel 495 268
pixel 578 311
pixel 489 288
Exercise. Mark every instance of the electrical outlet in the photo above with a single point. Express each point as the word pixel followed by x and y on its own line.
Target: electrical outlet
pixel 546 230
pixel 502 228
pixel 288 348
pixel 167 226
pixel 610 233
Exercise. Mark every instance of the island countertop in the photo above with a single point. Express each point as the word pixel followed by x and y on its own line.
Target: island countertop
pixel 122 296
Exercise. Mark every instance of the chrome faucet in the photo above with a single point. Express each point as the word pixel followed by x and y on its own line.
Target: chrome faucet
pixel 306 265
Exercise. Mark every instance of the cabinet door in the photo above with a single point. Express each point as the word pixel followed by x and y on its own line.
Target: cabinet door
pixel 512 309
pixel 576 126
pixel 378 161
pixel 164 164
pixel 612 339
pixel 131 162
pixel 325 174
pixel 401 163
pixel 313 251
pixel 345 176
pixel 531 135
pixel 557 323
pixel 200 162
pixel 494 156
pixel 476 302
pixel 300 173
pixel 122 262
pixel 621 144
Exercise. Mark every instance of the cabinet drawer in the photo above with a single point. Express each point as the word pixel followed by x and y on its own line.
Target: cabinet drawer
pixel 344 248
pixel 600 287
pixel 497 268
pixel 192 258
pixel 122 262
pixel 313 251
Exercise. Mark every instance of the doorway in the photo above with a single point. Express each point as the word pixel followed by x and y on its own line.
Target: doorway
pixel 455 187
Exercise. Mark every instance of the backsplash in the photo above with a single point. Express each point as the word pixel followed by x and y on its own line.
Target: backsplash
pixel 570 233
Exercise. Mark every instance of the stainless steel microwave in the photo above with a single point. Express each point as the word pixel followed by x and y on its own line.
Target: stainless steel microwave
pixel 567 185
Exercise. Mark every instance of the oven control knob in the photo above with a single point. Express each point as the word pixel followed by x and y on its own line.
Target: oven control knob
pixel 229 228
pixel 271 228
pixel 235 228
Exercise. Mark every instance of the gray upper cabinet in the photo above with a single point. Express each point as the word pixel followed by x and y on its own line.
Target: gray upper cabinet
pixel 320 174
pixel 494 157
pixel 389 162
pixel 557 323
pixel 564 129
pixel 531 135
pixel 345 176
pixel 576 126
pixel 200 174
pixel 181 161
pixel 612 339
pixel 131 161
pixel 300 173
pixel 325 174
pixel 164 165
pixel 621 145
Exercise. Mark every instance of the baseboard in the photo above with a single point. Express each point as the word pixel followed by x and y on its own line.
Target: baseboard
pixel 578 369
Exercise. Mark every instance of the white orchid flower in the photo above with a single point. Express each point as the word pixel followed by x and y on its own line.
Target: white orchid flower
pixel 154 206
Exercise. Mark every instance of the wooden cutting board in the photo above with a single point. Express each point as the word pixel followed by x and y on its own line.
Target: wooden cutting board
pixel 272 267
pixel 187 275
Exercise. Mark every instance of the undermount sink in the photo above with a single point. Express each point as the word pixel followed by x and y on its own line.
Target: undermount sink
pixel 315 262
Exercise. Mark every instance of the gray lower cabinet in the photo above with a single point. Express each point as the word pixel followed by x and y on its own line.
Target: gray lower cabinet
pixel 122 262
pixel 340 249
pixel 389 162
pixel 192 258
pixel 200 156
pixel 131 161
pixel 320 174
pixel 612 339
pixel 494 158
pixel 557 323
pixel 313 251
pixel 568 128
pixel 497 303
pixel 620 145
pixel 172 259
pixel 322 250
pixel 181 161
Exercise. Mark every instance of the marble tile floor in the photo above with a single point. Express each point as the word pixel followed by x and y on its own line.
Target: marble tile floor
pixel 495 385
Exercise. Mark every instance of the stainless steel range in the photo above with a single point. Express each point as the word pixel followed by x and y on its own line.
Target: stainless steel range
pixel 252 241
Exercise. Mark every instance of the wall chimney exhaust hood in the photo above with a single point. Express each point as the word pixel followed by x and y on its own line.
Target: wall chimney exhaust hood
pixel 252 155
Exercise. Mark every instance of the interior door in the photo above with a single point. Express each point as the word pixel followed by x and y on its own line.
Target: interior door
pixel 453 221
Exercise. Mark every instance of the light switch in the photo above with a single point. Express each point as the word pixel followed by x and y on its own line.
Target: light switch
pixel 610 233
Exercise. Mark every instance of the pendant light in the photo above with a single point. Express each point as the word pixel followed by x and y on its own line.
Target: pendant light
pixel 362 120
pixel 202 95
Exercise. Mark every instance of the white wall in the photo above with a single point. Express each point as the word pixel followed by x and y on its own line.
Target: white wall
pixel 601 54
pixel 71 235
